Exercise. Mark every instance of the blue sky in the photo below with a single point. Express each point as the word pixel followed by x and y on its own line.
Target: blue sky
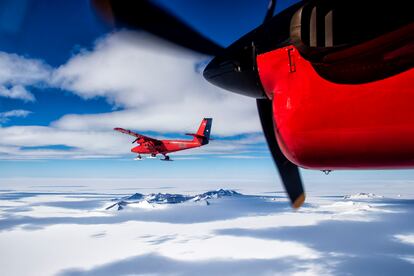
pixel 54 32
pixel 66 80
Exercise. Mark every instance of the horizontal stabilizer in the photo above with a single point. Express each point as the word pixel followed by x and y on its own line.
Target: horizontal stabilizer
pixel 196 135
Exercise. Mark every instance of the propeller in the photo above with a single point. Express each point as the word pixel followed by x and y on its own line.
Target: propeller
pixel 145 15
pixel 270 10
pixel 233 68
pixel 289 172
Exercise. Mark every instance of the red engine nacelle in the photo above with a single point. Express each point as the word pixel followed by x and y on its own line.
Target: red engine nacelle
pixel 325 125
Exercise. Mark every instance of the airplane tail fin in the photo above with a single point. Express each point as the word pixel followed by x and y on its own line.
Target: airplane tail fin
pixel 203 132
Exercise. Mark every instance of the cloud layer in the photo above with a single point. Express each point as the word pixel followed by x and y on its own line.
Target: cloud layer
pixel 152 85
pixel 156 85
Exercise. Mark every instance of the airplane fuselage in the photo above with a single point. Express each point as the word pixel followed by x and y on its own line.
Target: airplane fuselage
pixel 152 146
pixel 165 146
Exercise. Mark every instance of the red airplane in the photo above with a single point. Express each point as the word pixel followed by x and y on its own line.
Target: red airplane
pixel 148 145
pixel 333 79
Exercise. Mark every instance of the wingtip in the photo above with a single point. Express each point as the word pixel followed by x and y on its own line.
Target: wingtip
pixel 299 201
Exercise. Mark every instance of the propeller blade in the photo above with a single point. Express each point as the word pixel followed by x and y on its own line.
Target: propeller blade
pixel 145 15
pixel 270 10
pixel 289 172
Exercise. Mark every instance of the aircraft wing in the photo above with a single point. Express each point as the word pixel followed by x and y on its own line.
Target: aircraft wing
pixel 139 136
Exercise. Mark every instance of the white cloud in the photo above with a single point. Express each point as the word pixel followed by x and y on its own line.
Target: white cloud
pixel 17 92
pixel 4 116
pixel 83 143
pixel 157 86
pixel 405 238
pixel 17 72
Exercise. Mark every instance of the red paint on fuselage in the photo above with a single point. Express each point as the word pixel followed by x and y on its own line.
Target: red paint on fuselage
pixel 324 125
pixel 166 146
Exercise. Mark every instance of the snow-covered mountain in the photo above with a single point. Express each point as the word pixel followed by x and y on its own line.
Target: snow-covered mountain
pixel 215 194
pixel 161 198
pixel 136 196
pixel 140 200
pixel 362 196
